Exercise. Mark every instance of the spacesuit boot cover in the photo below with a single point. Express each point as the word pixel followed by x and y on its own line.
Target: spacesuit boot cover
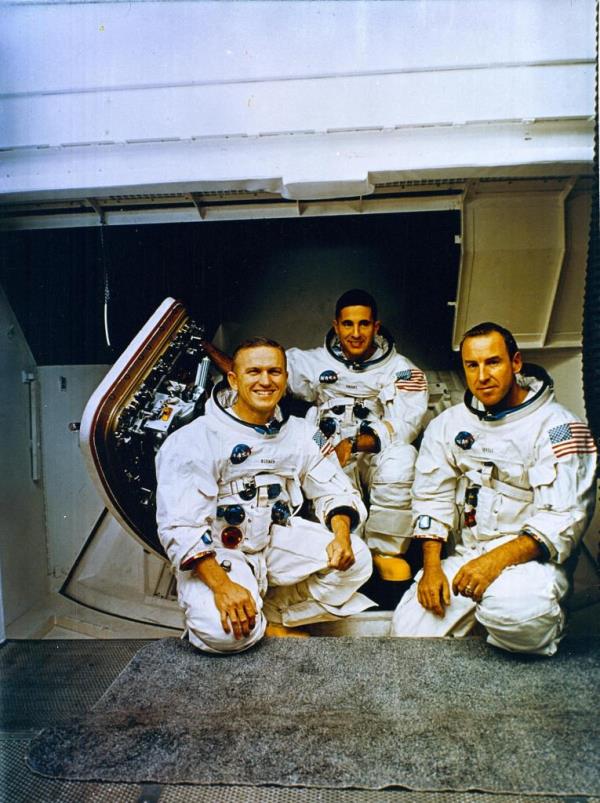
pixel 233 487
pixel 385 396
pixel 486 478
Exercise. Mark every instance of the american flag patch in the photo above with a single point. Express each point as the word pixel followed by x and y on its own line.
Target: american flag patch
pixel 324 444
pixel 574 438
pixel 411 379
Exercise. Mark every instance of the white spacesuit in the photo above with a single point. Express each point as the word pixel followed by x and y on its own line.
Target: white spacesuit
pixel 235 488
pixel 486 478
pixel 357 397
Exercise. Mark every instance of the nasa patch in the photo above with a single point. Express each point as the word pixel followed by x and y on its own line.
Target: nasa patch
pixel 465 440
pixel 328 377
pixel 240 453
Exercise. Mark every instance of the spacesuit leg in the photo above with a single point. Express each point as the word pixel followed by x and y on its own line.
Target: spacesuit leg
pixel 410 619
pixel 391 472
pixel 202 619
pixel 302 588
pixel 521 609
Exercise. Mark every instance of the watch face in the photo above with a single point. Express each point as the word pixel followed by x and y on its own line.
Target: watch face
pixel 424 522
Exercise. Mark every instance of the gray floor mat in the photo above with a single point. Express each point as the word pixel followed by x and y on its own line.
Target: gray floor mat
pixel 20 785
pixel 366 713
pixel 47 682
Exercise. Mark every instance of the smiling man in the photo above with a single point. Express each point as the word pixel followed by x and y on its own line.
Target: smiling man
pixel 230 485
pixel 369 403
pixel 510 474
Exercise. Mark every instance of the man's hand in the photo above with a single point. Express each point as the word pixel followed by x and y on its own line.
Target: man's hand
pixel 433 590
pixel 472 579
pixel 339 551
pixel 365 442
pixel 237 609
pixel 344 451
pixel 234 602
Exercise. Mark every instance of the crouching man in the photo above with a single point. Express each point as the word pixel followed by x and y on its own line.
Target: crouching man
pixel 229 488
pixel 510 473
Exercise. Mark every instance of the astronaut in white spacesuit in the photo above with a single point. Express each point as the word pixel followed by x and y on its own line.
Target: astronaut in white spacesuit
pixel 510 476
pixel 370 402
pixel 230 485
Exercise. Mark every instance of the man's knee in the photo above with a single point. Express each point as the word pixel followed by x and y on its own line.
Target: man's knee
pixel 202 618
pixel 527 619
pixel 395 465
pixel 214 639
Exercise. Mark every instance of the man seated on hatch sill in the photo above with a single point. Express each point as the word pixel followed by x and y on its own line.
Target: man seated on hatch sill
pixel 230 484
pixel 510 473
pixel 369 402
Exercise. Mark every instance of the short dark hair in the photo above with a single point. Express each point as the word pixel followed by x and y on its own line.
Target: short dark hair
pixel 486 328
pixel 256 342
pixel 356 298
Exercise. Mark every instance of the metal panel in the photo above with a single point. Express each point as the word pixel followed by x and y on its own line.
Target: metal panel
pixel 22 538
pixel 565 328
pixel 513 251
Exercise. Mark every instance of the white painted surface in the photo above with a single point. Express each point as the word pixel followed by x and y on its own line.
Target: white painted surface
pixel 294 74
pixel 133 43
pixel 316 105
pixel 23 578
pixel 72 504
pixel 565 368
pixel 523 262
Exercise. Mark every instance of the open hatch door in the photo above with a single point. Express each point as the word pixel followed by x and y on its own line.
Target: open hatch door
pixel 160 382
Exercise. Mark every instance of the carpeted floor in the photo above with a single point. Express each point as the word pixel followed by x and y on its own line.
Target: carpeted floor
pixel 342 712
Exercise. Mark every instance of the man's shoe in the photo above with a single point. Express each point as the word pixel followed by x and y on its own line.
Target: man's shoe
pixel 392 568
pixel 276 630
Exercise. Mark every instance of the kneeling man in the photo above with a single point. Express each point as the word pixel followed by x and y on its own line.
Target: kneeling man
pixel 510 474
pixel 229 487
pixel 370 401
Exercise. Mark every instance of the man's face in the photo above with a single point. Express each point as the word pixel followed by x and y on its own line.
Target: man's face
pixel 356 332
pixel 260 378
pixel 489 371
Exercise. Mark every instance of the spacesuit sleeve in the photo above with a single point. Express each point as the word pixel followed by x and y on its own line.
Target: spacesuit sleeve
pixel 564 488
pixel 326 485
pixel 300 374
pixel 405 403
pixel 186 495
pixel 434 487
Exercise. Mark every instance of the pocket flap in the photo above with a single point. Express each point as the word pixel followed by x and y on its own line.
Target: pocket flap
pixel 542 474
pixel 323 471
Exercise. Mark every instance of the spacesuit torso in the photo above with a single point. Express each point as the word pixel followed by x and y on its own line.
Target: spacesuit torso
pixel 349 395
pixel 224 482
pixel 487 477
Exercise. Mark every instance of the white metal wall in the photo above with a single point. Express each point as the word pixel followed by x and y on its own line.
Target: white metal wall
pixel 303 98
pixel 23 560
pixel 72 504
